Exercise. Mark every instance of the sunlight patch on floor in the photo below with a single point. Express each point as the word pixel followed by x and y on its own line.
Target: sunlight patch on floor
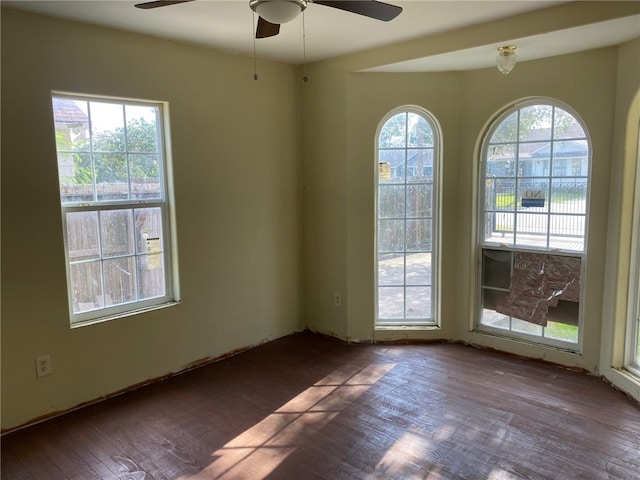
pixel 257 452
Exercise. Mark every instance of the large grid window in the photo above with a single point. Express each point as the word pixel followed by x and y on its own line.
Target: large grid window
pixel 113 192
pixel 534 198
pixel 406 218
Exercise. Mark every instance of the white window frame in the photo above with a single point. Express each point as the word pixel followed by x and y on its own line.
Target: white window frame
pixel 482 244
pixel 405 322
pixel 164 203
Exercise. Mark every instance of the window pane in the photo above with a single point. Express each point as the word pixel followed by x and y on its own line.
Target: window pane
pixel 151 276
pixel 71 124
pixel 521 326
pixel 500 194
pixel 534 159
pixel 394 132
pixel 76 177
pixel 419 235
pixel 145 177
pixel 420 133
pixel 494 319
pixel 86 286
pixel 83 240
pixel 418 302
pixel 119 281
pixel 507 131
pixel 391 302
pixel 532 230
pixel 561 331
pixel 142 134
pixel 419 165
pixel 395 160
pixel 419 200
pixel 566 126
pixel 501 160
pixel 570 159
pixel 391 269
pixel 148 223
pixel 498 227
pixel 117 232
pixel 111 177
pixel 567 231
pixel 569 196
pixel 418 269
pixel 535 123
pixel 533 195
pixel 391 201
pixel 391 236
pixel 107 127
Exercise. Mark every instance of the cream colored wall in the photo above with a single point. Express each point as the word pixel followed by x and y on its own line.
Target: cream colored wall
pixel 342 112
pixel 371 97
pixel 238 201
pixel 325 197
pixel 462 103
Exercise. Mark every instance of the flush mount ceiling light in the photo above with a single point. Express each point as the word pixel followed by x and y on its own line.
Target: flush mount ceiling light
pixel 278 11
pixel 506 59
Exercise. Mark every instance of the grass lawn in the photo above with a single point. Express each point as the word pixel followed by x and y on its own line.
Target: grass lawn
pixel 561 331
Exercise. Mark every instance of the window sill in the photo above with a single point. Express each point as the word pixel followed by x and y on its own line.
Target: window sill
pixel 129 313
pixel 408 328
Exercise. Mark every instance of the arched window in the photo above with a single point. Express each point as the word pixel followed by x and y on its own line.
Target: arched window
pixel 407 153
pixel 534 201
pixel 632 352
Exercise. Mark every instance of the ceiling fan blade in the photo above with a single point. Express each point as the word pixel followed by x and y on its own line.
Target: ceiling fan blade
pixel 159 3
pixel 368 8
pixel 266 29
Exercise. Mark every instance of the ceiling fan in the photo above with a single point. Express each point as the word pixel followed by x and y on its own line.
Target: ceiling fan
pixel 272 13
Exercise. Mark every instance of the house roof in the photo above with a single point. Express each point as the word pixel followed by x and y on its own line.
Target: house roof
pixel 66 111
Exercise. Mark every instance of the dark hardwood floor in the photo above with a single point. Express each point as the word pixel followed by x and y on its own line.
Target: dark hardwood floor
pixel 307 407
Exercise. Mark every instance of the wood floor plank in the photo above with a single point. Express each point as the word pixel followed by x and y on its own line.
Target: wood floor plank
pixel 311 408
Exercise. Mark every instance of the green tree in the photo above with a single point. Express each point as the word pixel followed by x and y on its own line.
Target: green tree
pixel 139 140
pixel 521 124
pixel 105 160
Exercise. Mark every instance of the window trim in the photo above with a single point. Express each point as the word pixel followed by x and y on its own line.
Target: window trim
pixel 165 203
pixel 435 321
pixel 492 125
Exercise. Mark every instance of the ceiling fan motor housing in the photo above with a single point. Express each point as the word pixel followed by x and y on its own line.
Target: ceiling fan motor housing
pixel 278 11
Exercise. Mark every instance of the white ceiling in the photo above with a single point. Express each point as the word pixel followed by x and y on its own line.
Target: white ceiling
pixel 228 25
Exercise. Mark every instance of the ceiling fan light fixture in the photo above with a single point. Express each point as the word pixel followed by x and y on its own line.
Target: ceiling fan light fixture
pixel 278 11
pixel 506 59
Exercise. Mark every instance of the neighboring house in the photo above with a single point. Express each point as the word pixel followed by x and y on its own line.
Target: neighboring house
pixel 72 126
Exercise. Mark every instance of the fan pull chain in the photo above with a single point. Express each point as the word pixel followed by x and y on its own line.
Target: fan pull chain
pixel 253 35
pixel 304 52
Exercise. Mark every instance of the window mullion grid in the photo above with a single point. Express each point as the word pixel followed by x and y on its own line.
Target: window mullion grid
pixel 404 220
pixel 516 185
pixel 515 203
pixel 94 175
pixel 126 151
pixel 101 258
pixel 551 150
pixel 136 254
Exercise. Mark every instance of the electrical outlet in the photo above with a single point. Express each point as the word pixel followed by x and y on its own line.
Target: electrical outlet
pixel 337 299
pixel 43 366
